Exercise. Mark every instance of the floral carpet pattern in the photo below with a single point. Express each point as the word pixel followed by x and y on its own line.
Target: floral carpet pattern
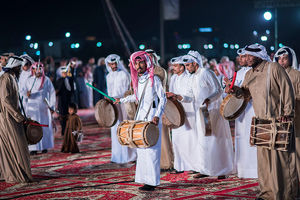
pixel 90 175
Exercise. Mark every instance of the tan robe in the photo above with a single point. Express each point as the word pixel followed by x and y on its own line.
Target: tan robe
pixel 14 154
pixel 295 79
pixel 276 169
pixel 166 156
pixel 70 144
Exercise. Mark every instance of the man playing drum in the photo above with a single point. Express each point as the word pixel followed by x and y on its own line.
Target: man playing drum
pixel 15 159
pixel 184 138
pixel 118 82
pixel 148 91
pixel 215 149
pixel 272 94
pixel 286 57
pixel 245 155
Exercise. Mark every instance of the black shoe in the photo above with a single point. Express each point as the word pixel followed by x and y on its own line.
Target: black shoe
pixel 200 176
pixel 176 172
pixel 147 188
pixel 33 153
pixel 222 177
pixel 45 151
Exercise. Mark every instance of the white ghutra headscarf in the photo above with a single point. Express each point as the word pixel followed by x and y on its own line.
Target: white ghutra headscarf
pixel 257 50
pixel 114 58
pixel 287 51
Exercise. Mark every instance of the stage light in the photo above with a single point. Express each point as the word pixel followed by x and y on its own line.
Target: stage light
pixel 38 53
pixel 72 46
pixel 31 45
pixel 77 45
pixel 210 46
pixel 272 48
pixel 268 32
pixel 179 46
pixel 237 46
pixel 50 44
pixel 68 34
pixel 35 45
pixel 28 37
pixel 264 38
pixel 280 45
pixel 205 46
pixel 142 46
pixel 268 15
pixel 205 30
pixel 231 46
pixel 255 33
pixel 225 45
pixel 99 44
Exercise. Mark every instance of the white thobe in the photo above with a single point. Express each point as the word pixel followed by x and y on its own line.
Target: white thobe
pixel 38 110
pixel 22 89
pixel 245 155
pixel 148 159
pixel 215 151
pixel 184 138
pixel 118 83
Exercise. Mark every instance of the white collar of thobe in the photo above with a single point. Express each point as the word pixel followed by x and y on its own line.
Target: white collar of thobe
pixel 144 77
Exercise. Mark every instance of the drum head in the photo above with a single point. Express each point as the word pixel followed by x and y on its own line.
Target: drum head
pixel 174 115
pixel 233 107
pixel 34 134
pixel 106 113
pixel 151 135
pixel 160 72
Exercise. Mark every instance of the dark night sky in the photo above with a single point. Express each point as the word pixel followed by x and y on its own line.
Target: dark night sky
pixel 233 21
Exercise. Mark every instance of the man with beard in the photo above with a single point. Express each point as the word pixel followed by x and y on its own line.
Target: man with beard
pixel 14 154
pixel 272 93
pixel 149 91
pixel 40 92
pixel 118 82
pixel 215 147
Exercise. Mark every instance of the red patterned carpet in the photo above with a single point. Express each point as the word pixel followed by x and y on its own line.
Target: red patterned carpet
pixel 90 175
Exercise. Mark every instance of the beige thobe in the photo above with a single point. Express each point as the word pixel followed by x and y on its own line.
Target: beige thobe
pixel 276 169
pixel 295 79
pixel 14 154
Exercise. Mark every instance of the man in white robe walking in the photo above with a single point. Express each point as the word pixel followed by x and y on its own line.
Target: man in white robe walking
pixel 39 91
pixel 151 108
pixel 118 82
pixel 215 148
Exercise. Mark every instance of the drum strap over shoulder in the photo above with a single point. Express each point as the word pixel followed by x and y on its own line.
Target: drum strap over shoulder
pixel 142 97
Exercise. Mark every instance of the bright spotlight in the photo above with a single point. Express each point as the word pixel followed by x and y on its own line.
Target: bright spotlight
pixel 264 38
pixel 35 45
pixel 28 37
pixel 225 45
pixel 210 46
pixel 179 46
pixel 31 45
pixel 231 46
pixel 37 53
pixel 99 44
pixel 237 46
pixel 268 15
pixel 280 45
pixel 255 33
pixel 77 45
pixel 68 34
pixel 267 31
pixel 50 44
pixel 142 46
pixel 72 46
pixel 205 46
pixel 272 48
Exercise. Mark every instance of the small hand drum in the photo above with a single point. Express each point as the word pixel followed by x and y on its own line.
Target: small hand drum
pixel 232 107
pixel 106 113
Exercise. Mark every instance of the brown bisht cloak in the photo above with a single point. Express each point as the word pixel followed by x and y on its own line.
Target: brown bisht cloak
pixel 70 143
pixel 14 154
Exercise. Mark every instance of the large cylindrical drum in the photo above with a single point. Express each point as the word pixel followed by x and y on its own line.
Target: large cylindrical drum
pixel 137 134
pixel 106 113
